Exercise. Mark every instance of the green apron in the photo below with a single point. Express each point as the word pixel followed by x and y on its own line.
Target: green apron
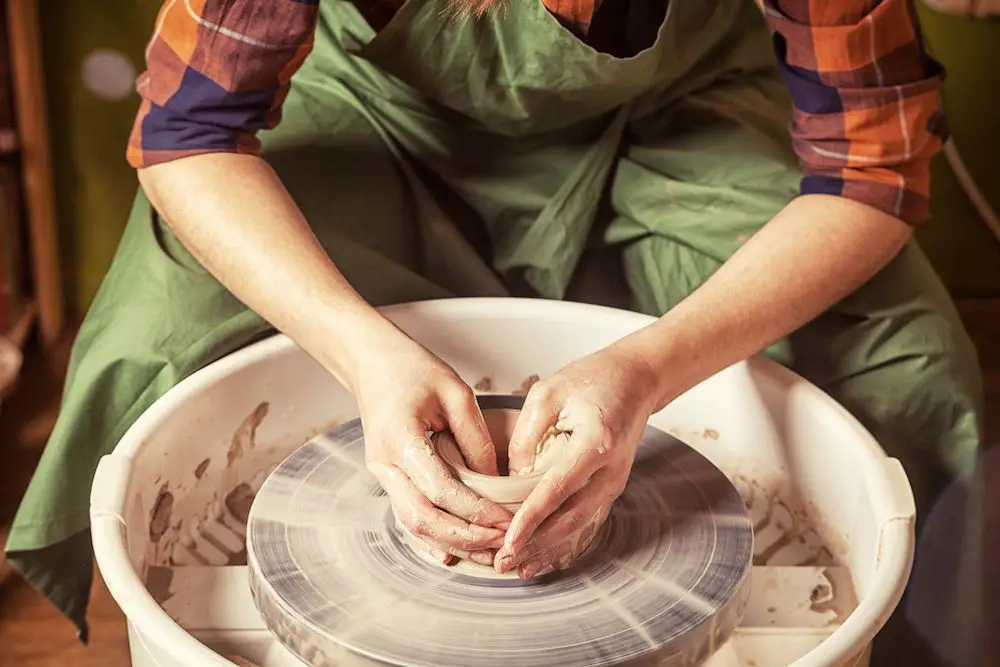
pixel 505 156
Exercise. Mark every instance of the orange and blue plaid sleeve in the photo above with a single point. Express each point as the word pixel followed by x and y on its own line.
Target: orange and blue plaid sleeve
pixel 217 72
pixel 867 118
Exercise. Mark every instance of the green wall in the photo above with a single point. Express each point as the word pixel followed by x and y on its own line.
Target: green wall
pixel 95 186
pixel 959 244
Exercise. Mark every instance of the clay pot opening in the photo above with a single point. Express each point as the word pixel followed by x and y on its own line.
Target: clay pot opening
pixel 505 489
pixel 500 423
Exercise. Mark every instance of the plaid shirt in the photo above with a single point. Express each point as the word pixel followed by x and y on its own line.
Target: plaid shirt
pixel 866 116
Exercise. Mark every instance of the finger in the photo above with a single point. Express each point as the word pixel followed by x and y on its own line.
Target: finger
pixel 569 531
pixel 433 551
pixel 562 554
pixel 465 421
pixel 480 557
pixel 570 473
pixel 534 424
pixel 443 557
pixel 425 521
pixel 434 479
pixel 449 557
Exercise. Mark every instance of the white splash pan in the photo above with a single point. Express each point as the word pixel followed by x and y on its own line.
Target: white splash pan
pixel 834 515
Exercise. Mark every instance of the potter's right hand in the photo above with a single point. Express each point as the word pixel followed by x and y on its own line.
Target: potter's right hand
pixel 405 393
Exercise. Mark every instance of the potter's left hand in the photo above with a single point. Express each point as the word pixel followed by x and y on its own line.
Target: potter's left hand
pixel 581 426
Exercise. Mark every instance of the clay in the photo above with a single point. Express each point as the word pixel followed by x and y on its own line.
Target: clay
pixel 785 532
pixel 485 384
pixel 239 500
pixel 158 580
pixel 509 491
pixel 244 439
pixel 526 385
pixel 160 520
pixel 199 472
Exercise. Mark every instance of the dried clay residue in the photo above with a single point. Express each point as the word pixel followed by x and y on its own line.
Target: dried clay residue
pixel 160 520
pixel 526 385
pixel 835 596
pixel 239 500
pixel 821 593
pixel 158 580
pixel 784 534
pixel 485 384
pixel 199 472
pixel 244 439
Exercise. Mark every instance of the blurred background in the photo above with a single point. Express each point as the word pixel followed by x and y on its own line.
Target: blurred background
pixel 67 70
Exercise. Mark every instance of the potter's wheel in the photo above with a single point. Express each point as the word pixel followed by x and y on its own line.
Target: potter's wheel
pixel 338 584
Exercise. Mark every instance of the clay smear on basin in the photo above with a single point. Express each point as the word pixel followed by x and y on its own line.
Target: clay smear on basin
pixel 215 535
pixel 245 437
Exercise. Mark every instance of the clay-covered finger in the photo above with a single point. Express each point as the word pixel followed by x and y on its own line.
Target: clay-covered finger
pixel 571 472
pixel 452 555
pixel 451 533
pixel 425 521
pixel 466 423
pixel 434 479
pixel 567 532
pixel 534 424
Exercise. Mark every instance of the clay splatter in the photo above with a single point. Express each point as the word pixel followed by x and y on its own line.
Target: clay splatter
pixel 239 500
pixel 526 385
pixel 160 520
pixel 820 593
pixel 158 580
pixel 485 384
pixel 710 434
pixel 836 597
pixel 244 439
pixel 199 472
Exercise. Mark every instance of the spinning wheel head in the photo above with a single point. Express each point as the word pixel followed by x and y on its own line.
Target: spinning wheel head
pixel 338 583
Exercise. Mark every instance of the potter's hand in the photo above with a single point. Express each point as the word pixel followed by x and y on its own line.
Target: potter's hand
pixel 581 426
pixel 404 393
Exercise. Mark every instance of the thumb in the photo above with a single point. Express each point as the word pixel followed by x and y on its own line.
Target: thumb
pixel 534 425
pixel 467 426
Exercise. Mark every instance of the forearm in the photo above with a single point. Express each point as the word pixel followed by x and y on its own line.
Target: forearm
pixel 236 218
pixel 814 253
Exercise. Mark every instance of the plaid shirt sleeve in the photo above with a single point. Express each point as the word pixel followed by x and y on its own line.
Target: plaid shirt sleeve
pixel 217 72
pixel 867 119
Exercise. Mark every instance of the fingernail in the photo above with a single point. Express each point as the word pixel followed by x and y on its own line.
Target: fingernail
pixel 503 563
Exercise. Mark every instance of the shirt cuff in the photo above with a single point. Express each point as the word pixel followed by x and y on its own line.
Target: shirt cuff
pixel 159 136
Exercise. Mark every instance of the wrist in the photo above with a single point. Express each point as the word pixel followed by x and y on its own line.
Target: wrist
pixel 348 338
pixel 662 368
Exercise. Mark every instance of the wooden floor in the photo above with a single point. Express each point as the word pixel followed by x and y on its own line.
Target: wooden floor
pixel 32 634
